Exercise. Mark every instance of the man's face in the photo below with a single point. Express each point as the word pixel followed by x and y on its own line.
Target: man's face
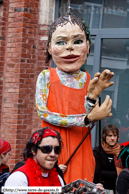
pixel 69 48
pixel 111 139
pixel 47 161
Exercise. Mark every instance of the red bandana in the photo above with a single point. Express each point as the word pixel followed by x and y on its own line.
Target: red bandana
pixel 4 146
pixel 46 133
pixel 49 132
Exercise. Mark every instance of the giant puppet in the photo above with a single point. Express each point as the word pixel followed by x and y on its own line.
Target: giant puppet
pixel 66 98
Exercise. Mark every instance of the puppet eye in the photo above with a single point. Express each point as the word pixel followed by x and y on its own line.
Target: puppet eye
pixel 78 41
pixel 61 43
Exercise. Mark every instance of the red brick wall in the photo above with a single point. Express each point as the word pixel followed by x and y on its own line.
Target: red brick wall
pixel 23 57
pixel 3 30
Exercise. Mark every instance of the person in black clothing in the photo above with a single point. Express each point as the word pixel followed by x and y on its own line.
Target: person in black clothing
pixel 109 153
pixel 122 183
pixel 5 154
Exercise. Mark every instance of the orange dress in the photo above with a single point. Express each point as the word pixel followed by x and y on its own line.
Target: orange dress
pixel 66 100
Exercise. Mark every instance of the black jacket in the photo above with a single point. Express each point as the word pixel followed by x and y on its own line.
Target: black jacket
pixel 122 183
pixel 108 170
pixel 4 173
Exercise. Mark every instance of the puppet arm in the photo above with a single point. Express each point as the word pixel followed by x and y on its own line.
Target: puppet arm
pixel 42 92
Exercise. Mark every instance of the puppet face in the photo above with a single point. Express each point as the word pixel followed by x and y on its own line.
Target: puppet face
pixel 69 48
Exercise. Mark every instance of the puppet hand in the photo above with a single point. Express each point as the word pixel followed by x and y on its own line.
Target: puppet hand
pixel 99 83
pixel 99 113
pixel 63 167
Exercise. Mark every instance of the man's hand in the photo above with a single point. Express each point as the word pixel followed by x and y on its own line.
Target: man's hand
pixel 100 186
pixel 63 167
pixel 99 83
pixel 99 113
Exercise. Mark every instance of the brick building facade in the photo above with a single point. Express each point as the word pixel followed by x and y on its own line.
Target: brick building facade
pixel 24 25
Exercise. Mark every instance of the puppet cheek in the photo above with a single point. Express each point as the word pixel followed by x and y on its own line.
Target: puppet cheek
pixel 55 51
pixel 84 49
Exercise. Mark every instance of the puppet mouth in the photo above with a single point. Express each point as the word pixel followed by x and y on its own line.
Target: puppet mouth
pixel 71 57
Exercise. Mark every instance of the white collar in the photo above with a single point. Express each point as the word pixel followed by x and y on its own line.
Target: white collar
pixel 45 174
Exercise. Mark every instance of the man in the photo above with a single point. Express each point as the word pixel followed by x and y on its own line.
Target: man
pixel 41 154
pixel 40 168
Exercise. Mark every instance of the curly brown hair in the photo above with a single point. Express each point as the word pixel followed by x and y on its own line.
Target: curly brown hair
pixel 31 146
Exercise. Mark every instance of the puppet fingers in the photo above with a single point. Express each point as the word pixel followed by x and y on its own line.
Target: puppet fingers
pixel 107 100
pixel 109 84
pixel 97 74
pixel 106 106
pixel 107 103
pixel 94 80
pixel 105 74
pixel 109 106
pixel 109 76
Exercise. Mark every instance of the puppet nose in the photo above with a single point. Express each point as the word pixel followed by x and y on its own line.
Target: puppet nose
pixel 70 46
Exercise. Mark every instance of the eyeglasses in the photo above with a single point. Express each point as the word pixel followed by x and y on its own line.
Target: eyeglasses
pixel 46 149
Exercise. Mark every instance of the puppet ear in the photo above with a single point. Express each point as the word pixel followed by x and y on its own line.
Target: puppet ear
pixel 88 47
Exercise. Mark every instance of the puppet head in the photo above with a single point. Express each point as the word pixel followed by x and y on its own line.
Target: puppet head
pixel 68 43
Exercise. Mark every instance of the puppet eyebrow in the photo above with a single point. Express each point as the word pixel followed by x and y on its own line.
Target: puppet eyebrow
pixel 78 35
pixel 74 36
